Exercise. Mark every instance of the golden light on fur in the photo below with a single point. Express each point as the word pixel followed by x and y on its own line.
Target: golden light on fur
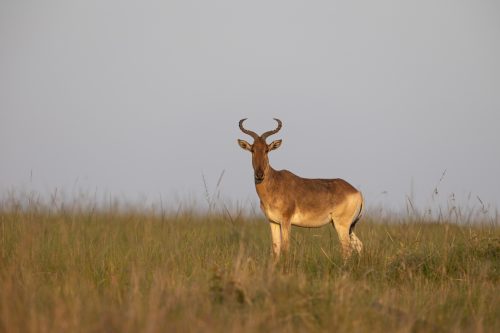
pixel 287 199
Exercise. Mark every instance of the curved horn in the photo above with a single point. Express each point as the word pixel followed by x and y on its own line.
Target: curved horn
pixel 252 134
pixel 268 133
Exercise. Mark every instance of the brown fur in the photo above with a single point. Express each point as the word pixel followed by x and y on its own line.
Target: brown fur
pixel 287 199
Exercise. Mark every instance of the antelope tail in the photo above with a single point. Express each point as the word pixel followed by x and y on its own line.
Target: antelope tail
pixel 360 213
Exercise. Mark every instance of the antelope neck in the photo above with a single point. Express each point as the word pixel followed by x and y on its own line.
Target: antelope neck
pixel 264 186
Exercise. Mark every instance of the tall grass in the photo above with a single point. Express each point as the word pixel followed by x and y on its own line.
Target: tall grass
pixel 74 269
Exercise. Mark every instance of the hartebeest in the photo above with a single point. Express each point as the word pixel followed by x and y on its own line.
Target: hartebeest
pixel 287 199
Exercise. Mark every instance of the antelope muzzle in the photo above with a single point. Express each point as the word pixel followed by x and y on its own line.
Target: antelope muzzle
pixel 258 176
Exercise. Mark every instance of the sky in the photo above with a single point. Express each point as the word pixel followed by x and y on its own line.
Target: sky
pixel 140 100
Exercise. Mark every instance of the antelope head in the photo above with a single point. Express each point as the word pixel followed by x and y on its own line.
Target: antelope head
pixel 259 150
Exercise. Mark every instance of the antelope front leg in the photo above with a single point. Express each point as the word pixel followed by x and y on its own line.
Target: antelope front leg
pixel 276 238
pixel 285 235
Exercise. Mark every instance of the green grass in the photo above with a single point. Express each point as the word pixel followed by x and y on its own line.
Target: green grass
pixel 73 270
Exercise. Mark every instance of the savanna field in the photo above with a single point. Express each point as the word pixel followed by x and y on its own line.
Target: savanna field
pixel 73 269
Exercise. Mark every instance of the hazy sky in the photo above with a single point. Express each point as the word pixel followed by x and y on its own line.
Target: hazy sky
pixel 142 98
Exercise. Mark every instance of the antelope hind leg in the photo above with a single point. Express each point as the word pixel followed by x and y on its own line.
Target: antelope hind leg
pixel 345 239
pixel 356 244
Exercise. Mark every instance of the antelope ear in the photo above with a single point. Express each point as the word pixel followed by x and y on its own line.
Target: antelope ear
pixel 245 145
pixel 274 145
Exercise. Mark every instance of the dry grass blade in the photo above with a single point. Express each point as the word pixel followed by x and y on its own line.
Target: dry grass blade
pixel 106 270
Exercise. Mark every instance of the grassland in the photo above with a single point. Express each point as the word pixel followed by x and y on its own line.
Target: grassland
pixel 109 270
